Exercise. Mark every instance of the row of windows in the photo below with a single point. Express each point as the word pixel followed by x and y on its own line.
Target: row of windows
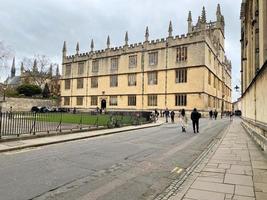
pixel 180 77
pixel 114 62
pixel 217 84
pixel 152 100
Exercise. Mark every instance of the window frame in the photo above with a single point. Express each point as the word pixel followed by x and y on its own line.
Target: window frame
pixel 131 100
pixel 152 80
pixel 94 82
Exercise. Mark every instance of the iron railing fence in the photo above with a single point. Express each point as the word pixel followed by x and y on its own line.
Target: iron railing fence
pixel 31 123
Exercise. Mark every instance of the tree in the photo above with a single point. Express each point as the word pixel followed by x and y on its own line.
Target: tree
pixel 6 53
pixel 38 69
pixel 29 90
pixel 46 91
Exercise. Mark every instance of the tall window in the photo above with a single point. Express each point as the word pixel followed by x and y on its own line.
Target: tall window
pixel 132 100
pixel 152 100
pixel 132 80
pixel 80 68
pixel 209 101
pixel 67 84
pixel 209 78
pixel 94 101
pixel 66 101
pixel 113 100
pixel 153 58
pixel 95 65
pixel 180 100
pixel 114 81
pixel 68 70
pixel 132 61
pixel 94 82
pixel 79 101
pixel 209 56
pixel 152 78
pixel 181 76
pixel 79 83
pixel 114 64
pixel 181 54
pixel 214 82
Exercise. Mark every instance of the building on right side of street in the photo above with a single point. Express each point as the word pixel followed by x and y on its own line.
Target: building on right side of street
pixel 254 63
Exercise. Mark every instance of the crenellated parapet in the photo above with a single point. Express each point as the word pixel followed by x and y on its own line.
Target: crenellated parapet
pixel 196 33
pixel 149 45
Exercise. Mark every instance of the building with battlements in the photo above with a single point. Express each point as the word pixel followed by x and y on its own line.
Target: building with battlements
pixel 254 66
pixel 175 72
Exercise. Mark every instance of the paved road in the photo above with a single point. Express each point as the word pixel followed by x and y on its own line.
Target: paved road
pixel 133 165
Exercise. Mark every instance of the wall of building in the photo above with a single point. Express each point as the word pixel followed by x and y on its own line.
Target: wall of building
pixel 23 104
pixel 205 58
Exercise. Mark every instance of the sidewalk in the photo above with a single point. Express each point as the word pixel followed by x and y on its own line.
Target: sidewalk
pixel 28 143
pixel 236 171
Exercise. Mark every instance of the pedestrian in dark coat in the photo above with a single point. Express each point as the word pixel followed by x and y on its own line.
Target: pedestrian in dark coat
pixel 210 113
pixel 172 116
pixel 215 114
pixel 195 115
pixel 167 113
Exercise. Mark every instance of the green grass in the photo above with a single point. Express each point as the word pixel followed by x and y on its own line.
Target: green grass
pixel 83 118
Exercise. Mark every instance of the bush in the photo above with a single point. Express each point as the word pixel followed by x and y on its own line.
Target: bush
pixel 29 90
pixel 46 91
pixel 11 92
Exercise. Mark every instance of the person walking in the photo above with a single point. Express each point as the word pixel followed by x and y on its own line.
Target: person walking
pixel 211 114
pixel 172 116
pixel 195 115
pixel 167 113
pixel 215 114
pixel 183 120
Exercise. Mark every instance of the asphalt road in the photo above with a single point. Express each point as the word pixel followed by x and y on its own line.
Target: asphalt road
pixel 133 165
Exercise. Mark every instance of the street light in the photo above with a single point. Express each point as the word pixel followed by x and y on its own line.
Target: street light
pixel 222 106
pixel 236 88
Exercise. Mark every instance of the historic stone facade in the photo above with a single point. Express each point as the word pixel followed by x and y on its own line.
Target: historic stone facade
pixel 35 77
pixel 176 72
pixel 254 62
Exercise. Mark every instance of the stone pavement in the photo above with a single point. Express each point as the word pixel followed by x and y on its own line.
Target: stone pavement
pixel 60 138
pixel 236 171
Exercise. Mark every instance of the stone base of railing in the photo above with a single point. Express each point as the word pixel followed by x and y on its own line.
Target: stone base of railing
pixel 257 130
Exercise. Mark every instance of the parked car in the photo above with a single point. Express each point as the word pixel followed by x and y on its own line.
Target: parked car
pixel 44 109
pixel 35 109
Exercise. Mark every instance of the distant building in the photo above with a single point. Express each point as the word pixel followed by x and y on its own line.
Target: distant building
pixel 254 64
pixel 13 81
pixel 177 72
pixel 33 76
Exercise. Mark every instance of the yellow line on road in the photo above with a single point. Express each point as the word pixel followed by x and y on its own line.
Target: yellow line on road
pixel 178 170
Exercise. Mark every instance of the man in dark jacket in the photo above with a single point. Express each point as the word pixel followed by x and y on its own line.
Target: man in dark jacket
pixel 167 113
pixel 195 115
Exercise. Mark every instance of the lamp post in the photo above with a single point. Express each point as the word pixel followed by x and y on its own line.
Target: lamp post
pixel 222 106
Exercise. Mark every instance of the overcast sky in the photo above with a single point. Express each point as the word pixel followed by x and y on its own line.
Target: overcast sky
pixel 40 26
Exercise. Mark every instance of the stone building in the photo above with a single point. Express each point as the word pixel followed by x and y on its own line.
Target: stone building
pixel 176 72
pixel 254 63
pixel 13 81
pixel 35 77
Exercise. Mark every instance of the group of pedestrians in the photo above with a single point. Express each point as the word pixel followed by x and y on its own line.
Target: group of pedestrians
pixel 195 116
pixel 213 114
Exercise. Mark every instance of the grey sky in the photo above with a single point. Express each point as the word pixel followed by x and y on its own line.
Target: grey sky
pixel 40 26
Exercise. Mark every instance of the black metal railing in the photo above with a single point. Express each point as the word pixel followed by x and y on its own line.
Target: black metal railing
pixel 31 123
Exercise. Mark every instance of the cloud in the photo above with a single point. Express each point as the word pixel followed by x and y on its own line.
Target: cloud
pixel 40 27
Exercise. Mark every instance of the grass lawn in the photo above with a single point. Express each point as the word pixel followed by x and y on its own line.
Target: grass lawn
pixel 83 118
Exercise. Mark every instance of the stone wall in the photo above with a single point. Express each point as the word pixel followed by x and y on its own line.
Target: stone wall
pixel 25 104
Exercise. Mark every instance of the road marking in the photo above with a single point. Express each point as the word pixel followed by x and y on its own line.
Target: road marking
pixel 178 170
pixel 174 169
